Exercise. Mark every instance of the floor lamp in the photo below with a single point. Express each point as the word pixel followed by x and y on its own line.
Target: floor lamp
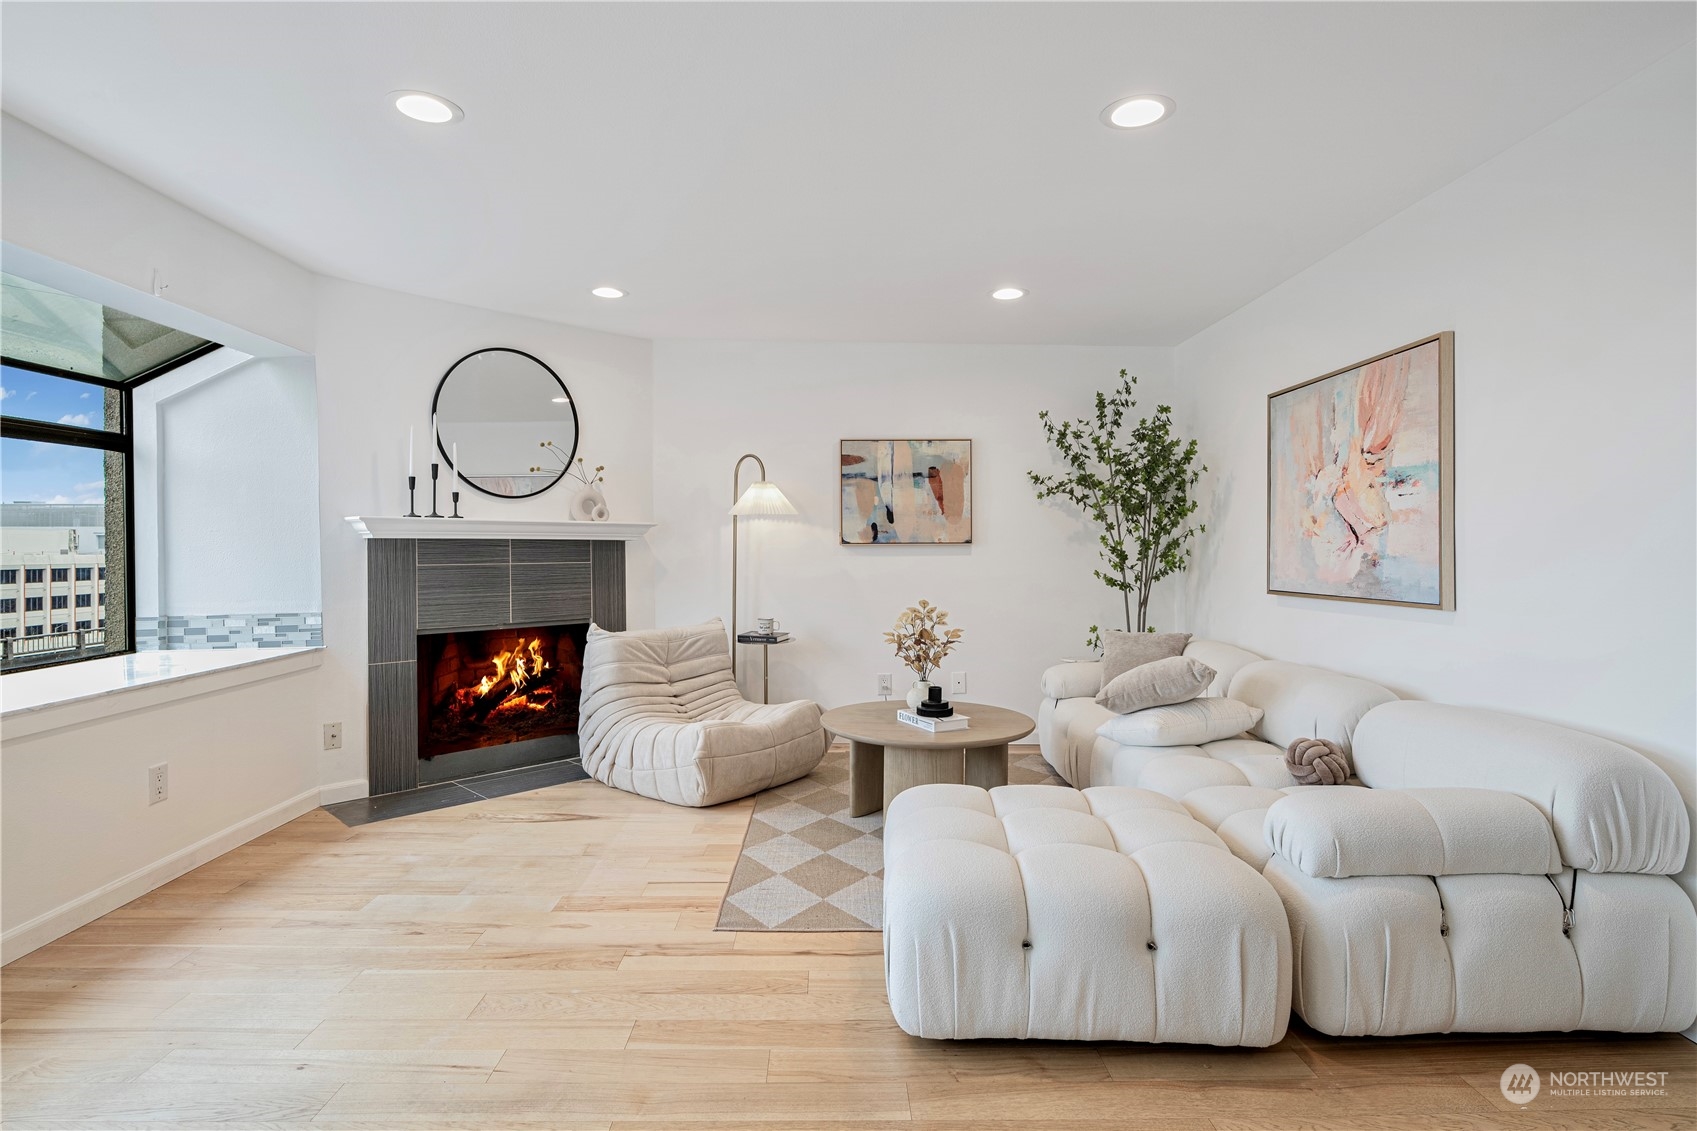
pixel 762 498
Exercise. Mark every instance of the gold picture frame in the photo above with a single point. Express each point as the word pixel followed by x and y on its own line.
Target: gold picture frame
pixel 1349 516
pixel 881 501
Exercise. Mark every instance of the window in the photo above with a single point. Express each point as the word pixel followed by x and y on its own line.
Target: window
pixel 8 604
pixel 8 577
pixel 103 597
pixel 61 602
pixel 8 633
pixel 67 370
pixel 84 600
pixel 82 624
pixel 61 626
pixel 32 604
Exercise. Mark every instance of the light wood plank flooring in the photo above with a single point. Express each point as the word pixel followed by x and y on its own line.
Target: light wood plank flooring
pixel 548 960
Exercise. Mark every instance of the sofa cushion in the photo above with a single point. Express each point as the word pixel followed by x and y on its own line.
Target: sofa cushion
pixel 1181 724
pixel 1122 651
pixel 1226 660
pixel 1073 681
pixel 1177 679
pixel 1298 701
pixel 1613 810
pixel 1109 915
pixel 1353 831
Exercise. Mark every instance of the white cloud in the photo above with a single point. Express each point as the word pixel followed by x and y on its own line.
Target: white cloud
pixel 80 419
pixel 57 499
pixel 97 485
pixel 85 396
pixel 4 392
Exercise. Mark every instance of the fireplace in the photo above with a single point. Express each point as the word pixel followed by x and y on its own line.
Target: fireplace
pixel 475 649
pixel 503 687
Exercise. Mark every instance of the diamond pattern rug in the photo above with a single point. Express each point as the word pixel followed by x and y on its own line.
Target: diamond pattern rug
pixel 806 865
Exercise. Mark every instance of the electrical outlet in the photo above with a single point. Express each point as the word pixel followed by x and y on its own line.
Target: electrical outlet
pixel 332 736
pixel 158 785
pixel 884 684
pixel 957 683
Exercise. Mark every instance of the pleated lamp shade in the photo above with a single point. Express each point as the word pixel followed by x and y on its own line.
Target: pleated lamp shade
pixel 762 498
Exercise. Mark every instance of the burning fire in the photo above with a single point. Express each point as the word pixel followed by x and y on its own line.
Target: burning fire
pixel 520 666
pixel 519 682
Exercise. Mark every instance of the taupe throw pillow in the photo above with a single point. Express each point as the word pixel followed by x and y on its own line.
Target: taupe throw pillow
pixel 1122 651
pixel 1176 679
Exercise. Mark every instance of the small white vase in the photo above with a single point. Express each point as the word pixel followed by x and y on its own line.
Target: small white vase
pixel 917 693
pixel 590 505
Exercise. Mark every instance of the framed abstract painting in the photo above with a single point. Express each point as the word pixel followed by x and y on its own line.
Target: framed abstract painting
pixel 1361 483
pixel 906 492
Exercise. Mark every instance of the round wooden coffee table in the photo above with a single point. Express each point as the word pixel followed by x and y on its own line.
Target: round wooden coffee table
pixel 886 757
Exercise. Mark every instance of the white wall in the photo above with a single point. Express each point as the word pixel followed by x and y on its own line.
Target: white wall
pixel 1022 591
pixel 380 355
pixel 77 834
pixel 226 492
pixel 1565 268
pixel 65 205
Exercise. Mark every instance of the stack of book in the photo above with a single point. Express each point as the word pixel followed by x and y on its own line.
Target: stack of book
pixel 762 637
pixel 951 722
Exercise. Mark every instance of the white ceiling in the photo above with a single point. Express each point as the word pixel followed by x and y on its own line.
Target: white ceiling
pixel 816 171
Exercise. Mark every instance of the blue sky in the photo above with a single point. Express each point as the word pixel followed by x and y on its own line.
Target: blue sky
pixel 50 473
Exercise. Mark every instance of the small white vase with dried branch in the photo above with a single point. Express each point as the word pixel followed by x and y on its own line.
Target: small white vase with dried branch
pixel 922 638
pixel 589 504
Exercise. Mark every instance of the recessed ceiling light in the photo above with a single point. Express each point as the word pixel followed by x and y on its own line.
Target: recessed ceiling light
pixel 422 106
pixel 1007 294
pixel 607 292
pixel 1137 111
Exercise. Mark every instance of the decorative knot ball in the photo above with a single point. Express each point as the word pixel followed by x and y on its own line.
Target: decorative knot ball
pixel 1317 761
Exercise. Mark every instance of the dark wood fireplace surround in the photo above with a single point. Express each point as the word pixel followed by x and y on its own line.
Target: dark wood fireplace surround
pixel 431 585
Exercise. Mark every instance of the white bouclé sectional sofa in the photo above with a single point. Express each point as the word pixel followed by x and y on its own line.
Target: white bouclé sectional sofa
pixel 1482 872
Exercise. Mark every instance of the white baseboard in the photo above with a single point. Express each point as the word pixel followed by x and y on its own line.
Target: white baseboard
pixel 344 791
pixel 62 920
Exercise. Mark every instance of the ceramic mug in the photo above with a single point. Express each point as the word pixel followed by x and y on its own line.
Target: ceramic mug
pixel 767 625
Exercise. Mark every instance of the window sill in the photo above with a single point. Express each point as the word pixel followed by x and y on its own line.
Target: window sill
pixel 34 702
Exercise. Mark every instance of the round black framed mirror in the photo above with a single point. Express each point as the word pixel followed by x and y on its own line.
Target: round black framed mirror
pixel 512 418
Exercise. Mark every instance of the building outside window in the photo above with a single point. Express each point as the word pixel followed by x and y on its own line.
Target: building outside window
pixel 68 367
pixel 8 604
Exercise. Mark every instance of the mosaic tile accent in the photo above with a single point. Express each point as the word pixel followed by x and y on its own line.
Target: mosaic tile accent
pixel 230 630
pixel 806 865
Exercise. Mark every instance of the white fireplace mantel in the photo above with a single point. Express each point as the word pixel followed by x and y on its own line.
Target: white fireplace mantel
pixel 386 527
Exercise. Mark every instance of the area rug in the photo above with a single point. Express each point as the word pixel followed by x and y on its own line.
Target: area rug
pixel 806 865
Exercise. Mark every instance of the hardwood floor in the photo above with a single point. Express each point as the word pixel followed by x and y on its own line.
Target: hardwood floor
pixel 548 960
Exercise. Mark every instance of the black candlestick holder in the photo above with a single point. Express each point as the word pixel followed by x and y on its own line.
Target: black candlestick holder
pixel 456 497
pixel 435 469
pixel 935 706
pixel 412 497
